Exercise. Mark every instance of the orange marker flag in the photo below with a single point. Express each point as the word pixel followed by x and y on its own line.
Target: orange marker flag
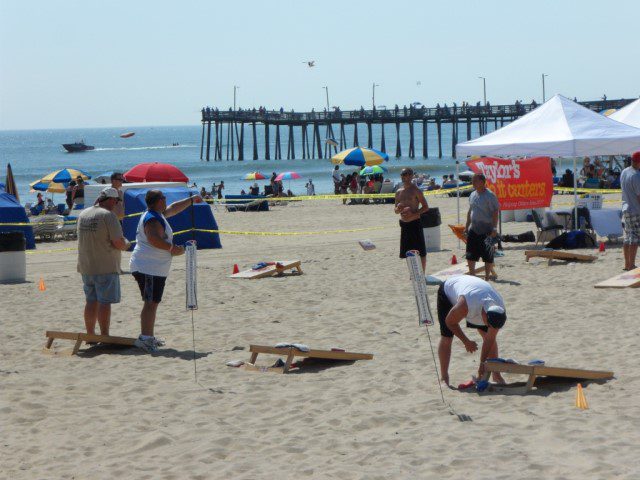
pixel 581 400
pixel 41 285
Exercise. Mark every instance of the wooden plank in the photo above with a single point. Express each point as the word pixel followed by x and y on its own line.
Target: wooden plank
pixel 326 354
pixel 255 368
pixel 269 270
pixel 559 255
pixel 459 269
pixel 630 279
pixel 85 337
pixel 545 371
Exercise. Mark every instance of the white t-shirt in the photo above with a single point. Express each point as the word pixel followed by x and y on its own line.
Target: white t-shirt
pixel 145 257
pixel 336 176
pixel 478 294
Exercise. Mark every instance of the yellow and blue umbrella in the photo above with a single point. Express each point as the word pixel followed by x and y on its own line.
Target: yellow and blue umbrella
pixel 51 187
pixel 65 176
pixel 373 170
pixel 360 157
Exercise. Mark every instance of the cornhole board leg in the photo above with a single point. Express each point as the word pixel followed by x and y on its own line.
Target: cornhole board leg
pixel 85 337
pixel 287 364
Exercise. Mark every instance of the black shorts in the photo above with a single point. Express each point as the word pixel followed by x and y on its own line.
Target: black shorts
pixel 478 247
pixel 151 286
pixel 444 307
pixel 412 238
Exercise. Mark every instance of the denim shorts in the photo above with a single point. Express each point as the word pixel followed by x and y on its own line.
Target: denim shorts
pixel 102 288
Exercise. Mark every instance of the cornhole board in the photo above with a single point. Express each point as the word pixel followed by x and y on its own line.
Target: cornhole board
pixel 629 279
pixel 535 371
pixel 292 352
pixel 85 337
pixel 461 269
pixel 270 270
pixel 559 255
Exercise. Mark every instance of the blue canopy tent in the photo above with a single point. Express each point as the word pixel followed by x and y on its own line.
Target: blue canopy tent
pixel 199 216
pixel 12 212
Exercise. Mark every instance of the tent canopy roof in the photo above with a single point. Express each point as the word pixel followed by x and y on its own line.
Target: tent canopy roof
pixel 629 114
pixel 557 128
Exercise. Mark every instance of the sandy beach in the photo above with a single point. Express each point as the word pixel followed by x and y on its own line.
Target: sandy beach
pixel 120 413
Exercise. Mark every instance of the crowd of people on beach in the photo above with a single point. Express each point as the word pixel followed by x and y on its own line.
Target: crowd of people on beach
pixel 593 174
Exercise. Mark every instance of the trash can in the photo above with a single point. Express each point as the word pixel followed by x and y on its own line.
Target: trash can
pixel 430 222
pixel 13 261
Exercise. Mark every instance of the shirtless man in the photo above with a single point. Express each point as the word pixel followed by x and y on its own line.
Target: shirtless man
pixel 466 296
pixel 410 204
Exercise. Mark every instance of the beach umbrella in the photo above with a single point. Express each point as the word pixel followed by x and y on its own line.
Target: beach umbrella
pixel 51 187
pixel 287 176
pixel 10 183
pixel 373 170
pixel 155 172
pixel 106 176
pixel 65 176
pixel 255 176
pixel 360 157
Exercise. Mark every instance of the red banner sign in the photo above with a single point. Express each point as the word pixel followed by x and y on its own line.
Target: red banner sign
pixel 518 184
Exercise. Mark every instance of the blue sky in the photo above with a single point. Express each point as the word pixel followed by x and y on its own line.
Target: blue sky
pixel 68 64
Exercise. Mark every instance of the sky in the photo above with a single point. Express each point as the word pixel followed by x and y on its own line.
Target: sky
pixel 79 64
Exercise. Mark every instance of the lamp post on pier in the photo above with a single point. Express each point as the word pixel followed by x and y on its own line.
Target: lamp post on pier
pixel 544 96
pixel 327 92
pixel 235 88
pixel 484 89
pixel 373 96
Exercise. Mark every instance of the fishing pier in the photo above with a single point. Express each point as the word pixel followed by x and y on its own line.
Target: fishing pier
pixel 229 143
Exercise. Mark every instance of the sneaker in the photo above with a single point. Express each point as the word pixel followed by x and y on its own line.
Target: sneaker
pixel 149 344
pixel 160 342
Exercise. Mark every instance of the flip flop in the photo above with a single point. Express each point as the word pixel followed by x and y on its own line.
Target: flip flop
pixel 465 385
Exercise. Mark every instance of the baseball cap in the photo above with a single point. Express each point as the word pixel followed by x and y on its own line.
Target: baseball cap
pixel 496 316
pixel 108 193
pixel 636 157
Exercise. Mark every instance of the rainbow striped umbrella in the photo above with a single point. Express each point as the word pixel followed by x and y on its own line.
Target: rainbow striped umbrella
pixel 255 176
pixel 287 176
pixel 360 157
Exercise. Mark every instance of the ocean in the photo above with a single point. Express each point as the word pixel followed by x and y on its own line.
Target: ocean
pixel 35 153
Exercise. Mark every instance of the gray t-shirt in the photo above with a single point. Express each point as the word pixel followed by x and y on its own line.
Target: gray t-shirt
pixel 483 206
pixel 630 183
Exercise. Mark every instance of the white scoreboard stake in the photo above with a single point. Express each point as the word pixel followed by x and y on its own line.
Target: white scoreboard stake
pixel 422 300
pixel 191 278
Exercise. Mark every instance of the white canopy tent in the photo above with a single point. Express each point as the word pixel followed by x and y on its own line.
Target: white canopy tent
pixel 629 114
pixel 557 128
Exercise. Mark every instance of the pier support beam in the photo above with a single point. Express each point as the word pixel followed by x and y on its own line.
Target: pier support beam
pixel 316 133
pixel 202 141
pixel 383 147
pixel 425 149
pixel 217 153
pixel 241 143
pixel 412 152
pixel 398 147
pixel 208 139
pixel 468 128
pixel 356 143
pixel 343 137
pixel 267 154
pixel 278 154
pixel 291 151
pixel 369 136
pixel 439 129
pixel 454 136
pixel 255 141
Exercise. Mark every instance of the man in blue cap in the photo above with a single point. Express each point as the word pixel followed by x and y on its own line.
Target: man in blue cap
pixel 466 296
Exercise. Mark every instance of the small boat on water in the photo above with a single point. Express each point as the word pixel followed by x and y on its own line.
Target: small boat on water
pixel 77 147
pixel 127 135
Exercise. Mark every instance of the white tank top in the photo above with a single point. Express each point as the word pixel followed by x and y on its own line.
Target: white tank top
pixel 478 294
pixel 145 257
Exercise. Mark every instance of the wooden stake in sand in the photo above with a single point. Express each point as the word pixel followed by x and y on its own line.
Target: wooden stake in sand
pixel 191 281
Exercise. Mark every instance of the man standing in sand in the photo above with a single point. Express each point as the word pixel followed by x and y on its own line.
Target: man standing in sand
pixel 466 296
pixel 482 225
pixel 100 241
pixel 151 259
pixel 630 183
pixel 410 204
pixel 336 180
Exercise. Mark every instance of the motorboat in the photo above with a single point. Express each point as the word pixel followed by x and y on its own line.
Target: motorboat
pixel 77 147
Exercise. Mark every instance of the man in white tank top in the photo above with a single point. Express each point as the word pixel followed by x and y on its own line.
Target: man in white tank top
pixel 151 259
pixel 466 296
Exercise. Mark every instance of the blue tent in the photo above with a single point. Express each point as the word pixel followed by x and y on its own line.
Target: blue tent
pixel 200 216
pixel 12 212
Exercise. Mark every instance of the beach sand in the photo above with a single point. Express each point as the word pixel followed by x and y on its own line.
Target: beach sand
pixel 120 413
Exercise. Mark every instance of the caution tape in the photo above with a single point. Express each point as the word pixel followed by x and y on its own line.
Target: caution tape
pixel 603 191
pixel 281 234
pixel 34 252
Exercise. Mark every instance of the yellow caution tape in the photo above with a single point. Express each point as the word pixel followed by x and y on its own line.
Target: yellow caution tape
pixel 33 252
pixel 279 234
pixel 603 191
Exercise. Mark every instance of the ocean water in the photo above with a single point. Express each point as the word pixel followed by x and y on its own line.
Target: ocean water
pixel 35 153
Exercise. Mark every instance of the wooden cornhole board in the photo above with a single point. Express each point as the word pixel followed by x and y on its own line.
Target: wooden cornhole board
pixel 461 269
pixel 535 371
pixel 270 270
pixel 627 279
pixel 85 337
pixel 559 255
pixel 292 352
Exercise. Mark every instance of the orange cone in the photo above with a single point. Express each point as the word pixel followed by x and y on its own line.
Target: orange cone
pixel 41 285
pixel 601 249
pixel 236 269
pixel 454 260
pixel 581 400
